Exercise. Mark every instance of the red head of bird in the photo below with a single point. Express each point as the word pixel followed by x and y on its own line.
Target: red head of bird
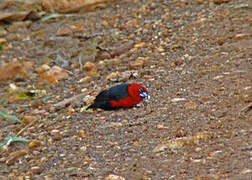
pixel 137 91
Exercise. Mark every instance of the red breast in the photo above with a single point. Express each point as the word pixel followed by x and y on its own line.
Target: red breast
pixel 134 97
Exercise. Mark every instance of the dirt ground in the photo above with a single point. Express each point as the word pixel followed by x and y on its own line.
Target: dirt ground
pixel 194 57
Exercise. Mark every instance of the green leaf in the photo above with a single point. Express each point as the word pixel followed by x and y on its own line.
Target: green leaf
pixel 19 139
pixel 13 139
pixel 6 115
pixel 1 47
pixel 30 94
pixel 24 95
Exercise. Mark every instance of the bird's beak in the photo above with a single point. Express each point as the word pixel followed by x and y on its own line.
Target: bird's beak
pixel 143 94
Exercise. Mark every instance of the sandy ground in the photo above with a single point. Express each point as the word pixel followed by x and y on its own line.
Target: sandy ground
pixel 193 57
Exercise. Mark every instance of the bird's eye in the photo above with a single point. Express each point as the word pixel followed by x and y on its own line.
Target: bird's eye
pixel 141 90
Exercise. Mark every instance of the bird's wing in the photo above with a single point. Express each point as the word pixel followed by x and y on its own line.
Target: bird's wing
pixel 103 96
pixel 118 92
pixel 114 93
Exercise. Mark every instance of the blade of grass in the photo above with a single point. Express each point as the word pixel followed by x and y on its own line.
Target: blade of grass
pixel 55 15
pixel 13 139
pixel 6 115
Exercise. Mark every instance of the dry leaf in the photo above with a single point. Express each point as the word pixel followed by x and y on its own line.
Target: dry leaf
pixel 42 68
pixel 114 177
pixel 54 74
pixel 140 45
pixel 14 156
pixel 33 144
pixel 90 68
pixel 190 105
pixel 63 31
pixel 11 70
pixel 113 76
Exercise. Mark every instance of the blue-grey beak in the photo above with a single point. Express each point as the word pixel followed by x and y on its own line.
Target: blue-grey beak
pixel 143 94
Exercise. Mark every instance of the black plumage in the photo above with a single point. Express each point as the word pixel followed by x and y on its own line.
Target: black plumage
pixel 114 93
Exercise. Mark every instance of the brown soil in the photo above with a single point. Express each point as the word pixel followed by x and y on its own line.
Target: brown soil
pixel 196 65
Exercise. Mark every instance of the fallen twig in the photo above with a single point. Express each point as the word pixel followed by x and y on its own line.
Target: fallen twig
pixel 69 100
pixel 245 109
pixel 23 129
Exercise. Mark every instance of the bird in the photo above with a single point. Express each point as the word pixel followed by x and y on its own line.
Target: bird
pixel 124 95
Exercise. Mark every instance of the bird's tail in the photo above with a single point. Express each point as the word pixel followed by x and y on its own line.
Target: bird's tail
pixel 92 106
